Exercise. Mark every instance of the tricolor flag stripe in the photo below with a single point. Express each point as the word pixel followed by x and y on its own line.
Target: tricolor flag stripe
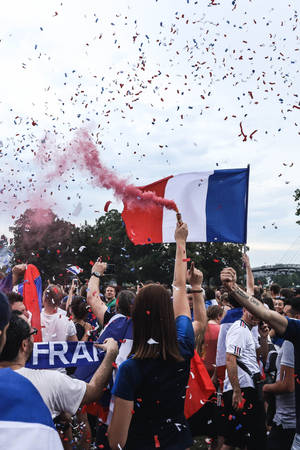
pixel 144 225
pixel 183 189
pixel 213 204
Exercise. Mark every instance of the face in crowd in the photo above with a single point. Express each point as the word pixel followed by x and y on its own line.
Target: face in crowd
pixel 250 319
pixel 279 306
pixel 110 293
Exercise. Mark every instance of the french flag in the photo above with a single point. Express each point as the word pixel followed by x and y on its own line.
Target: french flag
pixel 25 420
pixel 31 289
pixel 75 270
pixel 214 205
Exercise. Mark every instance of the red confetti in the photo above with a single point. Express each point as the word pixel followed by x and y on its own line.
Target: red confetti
pixel 114 365
pixel 157 444
pixel 107 205
pixel 186 259
pixel 241 404
pixel 91 263
pixel 253 132
pixel 216 260
pixel 148 312
pixel 242 133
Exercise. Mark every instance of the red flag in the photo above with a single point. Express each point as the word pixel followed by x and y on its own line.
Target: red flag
pixel 32 295
pixel 200 387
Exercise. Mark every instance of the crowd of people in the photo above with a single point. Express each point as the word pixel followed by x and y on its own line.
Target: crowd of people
pixel 245 339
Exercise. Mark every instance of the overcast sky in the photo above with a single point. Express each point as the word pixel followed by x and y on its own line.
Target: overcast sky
pixel 162 86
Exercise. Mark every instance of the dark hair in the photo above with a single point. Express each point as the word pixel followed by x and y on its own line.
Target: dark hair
pixel 83 291
pixel 275 288
pixel 17 331
pixel 209 294
pixel 233 302
pixel 214 311
pixel 52 295
pixel 295 304
pixel 125 301
pixel 111 286
pixel 258 292
pixel 153 317
pixel 79 307
pixel 269 301
pixel 14 297
pixel 286 293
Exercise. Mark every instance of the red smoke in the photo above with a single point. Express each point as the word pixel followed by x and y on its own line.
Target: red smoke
pixel 84 154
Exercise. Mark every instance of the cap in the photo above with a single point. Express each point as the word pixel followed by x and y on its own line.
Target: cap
pixel 5 311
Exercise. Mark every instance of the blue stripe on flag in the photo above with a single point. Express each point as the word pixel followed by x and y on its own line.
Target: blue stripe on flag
pixel 226 206
pixel 20 401
pixel 39 289
pixel 232 315
pixel 119 329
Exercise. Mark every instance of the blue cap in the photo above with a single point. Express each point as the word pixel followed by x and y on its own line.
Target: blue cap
pixel 5 311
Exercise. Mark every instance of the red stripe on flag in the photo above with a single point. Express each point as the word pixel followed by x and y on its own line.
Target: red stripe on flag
pixel 31 300
pixel 144 224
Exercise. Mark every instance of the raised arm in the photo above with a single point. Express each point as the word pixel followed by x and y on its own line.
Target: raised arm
pixel 195 278
pixel 70 295
pixel 180 301
pixel 93 292
pixel 277 321
pixel 249 274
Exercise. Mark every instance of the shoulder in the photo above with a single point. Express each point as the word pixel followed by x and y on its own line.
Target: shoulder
pixel 237 332
pixel 292 331
pixel 185 336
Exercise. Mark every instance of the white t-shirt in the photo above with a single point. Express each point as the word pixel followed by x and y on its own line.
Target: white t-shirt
pixel 241 343
pixel 56 327
pixel 59 391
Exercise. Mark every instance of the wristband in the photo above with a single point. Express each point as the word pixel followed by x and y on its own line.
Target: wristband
pixel 196 291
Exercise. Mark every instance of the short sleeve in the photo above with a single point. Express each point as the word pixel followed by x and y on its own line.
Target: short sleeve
pixel 236 340
pixel 127 380
pixel 292 332
pixel 288 358
pixel 70 392
pixel 185 336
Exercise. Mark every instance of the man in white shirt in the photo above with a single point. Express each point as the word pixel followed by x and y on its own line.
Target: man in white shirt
pixel 55 325
pixel 243 404
pixel 60 392
pixel 25 421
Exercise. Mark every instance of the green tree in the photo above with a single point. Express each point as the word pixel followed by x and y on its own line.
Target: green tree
pixel 108 239
pixel 50 243
pixel 42 239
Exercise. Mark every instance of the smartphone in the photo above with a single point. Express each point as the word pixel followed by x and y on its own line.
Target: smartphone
pixel 110 268
pixel 75 282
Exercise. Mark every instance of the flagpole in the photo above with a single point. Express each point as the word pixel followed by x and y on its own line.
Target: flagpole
pixel 246 222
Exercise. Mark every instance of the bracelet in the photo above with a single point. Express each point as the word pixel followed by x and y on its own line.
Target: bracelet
pixel 196 291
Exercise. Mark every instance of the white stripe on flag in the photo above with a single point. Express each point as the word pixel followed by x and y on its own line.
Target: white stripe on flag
pixel 189 191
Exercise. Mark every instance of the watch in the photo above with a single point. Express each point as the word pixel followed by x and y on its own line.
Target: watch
pixel 96 274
